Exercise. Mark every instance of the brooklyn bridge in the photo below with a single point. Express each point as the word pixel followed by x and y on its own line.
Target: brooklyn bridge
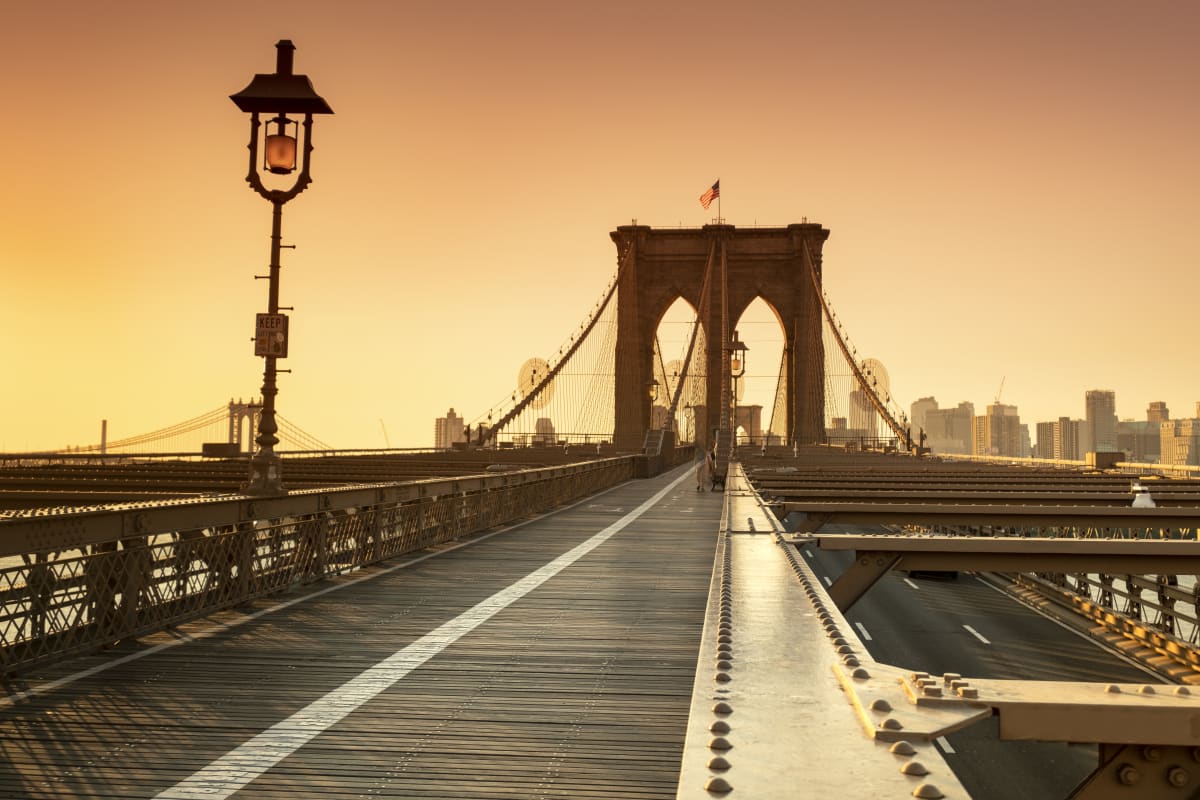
pixel 671 595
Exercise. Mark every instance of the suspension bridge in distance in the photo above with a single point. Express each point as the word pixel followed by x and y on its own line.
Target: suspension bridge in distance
pixel 565 607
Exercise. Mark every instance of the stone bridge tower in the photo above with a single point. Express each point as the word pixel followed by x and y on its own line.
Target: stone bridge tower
pixel 661 265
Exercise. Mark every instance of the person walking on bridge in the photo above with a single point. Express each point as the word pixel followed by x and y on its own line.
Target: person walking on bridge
pixel 703 470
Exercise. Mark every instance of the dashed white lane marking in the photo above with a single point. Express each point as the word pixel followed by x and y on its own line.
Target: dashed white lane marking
pixel 910 583
pixel 976 634
pixel 945 745
pixel 827 581
pixel 809 553
pixel 237 768
pixel 863 630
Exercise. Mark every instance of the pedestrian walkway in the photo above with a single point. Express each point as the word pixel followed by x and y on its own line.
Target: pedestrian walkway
pixel 552 659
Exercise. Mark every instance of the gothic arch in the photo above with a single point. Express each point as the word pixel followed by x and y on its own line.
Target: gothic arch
pixel 660 265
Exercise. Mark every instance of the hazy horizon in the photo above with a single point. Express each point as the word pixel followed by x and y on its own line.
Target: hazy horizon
pixel 1011 190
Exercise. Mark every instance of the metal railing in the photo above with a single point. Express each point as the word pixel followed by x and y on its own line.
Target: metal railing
pixel 1155 609
pixel 73 580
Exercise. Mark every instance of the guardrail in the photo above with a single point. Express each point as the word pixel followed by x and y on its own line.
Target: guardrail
pixel 72 580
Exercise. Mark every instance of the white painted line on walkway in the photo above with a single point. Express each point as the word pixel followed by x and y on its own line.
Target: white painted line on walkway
pixel 945 745
pixel 237 768
pixel 976 634
pixel 863 630
pixel 827 581
pixel 910 583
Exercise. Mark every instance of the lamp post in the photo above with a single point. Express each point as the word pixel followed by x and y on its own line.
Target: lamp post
pixel 276 95
pixel 652 390
pixel 737 368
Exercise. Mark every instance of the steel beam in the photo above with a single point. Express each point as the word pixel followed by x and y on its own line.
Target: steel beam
pixel 876 554
pixel 1020 516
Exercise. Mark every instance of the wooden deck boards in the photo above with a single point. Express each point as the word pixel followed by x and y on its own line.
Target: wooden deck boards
pixel 579 689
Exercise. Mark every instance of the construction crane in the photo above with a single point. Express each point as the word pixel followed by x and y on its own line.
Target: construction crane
pixel 1000 391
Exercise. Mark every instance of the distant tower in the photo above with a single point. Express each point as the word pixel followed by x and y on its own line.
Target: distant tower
pixel 447 430
pixel 998 432
pixel 1157 412
pixel 918 413
pixel 1101 418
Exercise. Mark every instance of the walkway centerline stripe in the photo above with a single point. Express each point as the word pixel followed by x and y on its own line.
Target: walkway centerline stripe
pixel 237 768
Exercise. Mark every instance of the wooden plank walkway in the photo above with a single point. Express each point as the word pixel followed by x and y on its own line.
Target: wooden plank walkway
pixel 575 686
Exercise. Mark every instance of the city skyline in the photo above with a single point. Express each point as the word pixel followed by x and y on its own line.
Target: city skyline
pixel 1010 189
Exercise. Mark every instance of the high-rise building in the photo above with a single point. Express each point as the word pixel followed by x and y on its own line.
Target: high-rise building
pixel 1179 441
pixel 1140 440
pixel 543 431
pixel 1065 444
pixel 447 430
pixel 1101 417
pixel 862 414
pixel 1045 440
pixel 918 415
pixel 950 430
pixel 1157 412
pixel 998 432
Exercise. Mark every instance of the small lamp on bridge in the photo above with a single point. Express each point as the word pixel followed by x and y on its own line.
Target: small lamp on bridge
pixel 652 391
pixel 277 95
pixel 737 368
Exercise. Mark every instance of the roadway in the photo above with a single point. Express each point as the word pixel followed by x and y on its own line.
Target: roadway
pixel 964 625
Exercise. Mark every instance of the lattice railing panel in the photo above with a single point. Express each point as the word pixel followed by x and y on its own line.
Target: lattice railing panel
pixel 89 593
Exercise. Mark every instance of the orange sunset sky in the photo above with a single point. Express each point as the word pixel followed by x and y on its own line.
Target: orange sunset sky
pixel 1013 192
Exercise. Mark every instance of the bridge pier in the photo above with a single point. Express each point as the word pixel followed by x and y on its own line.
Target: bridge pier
pixel 658 266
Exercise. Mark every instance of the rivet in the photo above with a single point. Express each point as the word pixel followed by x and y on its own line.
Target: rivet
pixel 891 724
pixel 722 708
pixel 1178 777
pixel 914 768
pixel 861 674
pixel 1128 774
pixel 1146 690
pixel 718 763
pixel 723 677
pixel 879 704
pixel 718 785
pixel 1182 691
pixel 724 647
pixel 839 642
pixel 844 649
pixel 1112 688
pixel 719 727
pixel 902 748
pixel 723 664
pixel 1150 753
pixel 719 743
pixel 724 638
pixel 927 791
pixel 850 661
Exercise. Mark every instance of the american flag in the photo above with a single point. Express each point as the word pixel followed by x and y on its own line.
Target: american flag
pixel 712 194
